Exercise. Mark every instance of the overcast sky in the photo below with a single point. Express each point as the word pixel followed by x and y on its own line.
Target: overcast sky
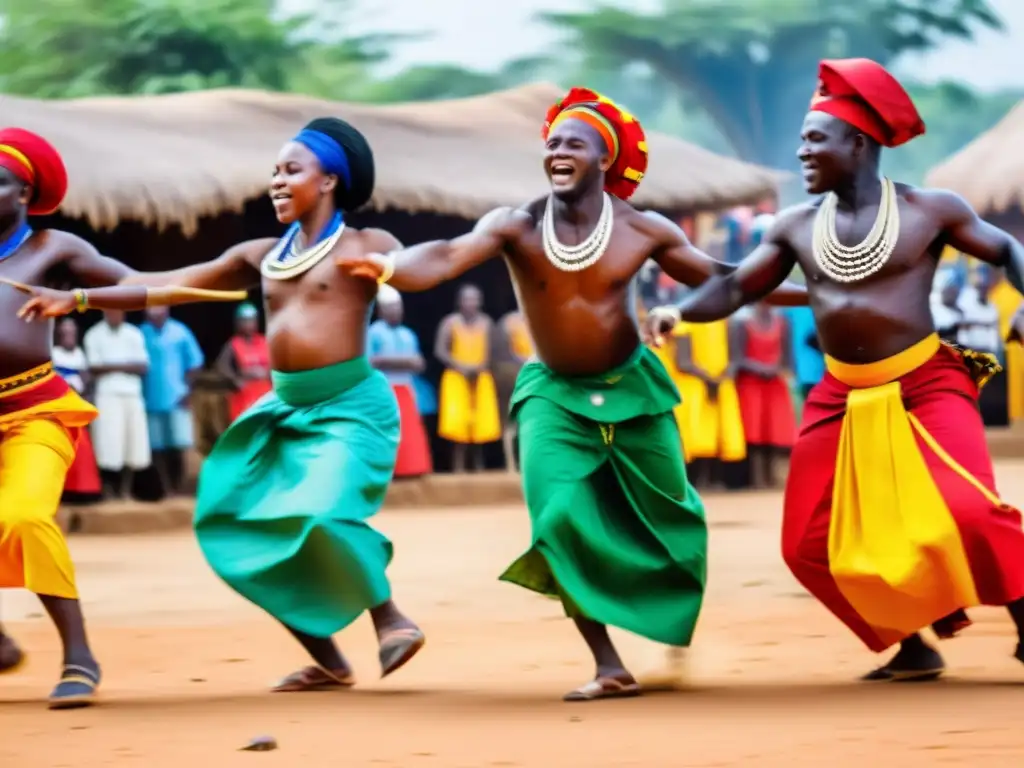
pixel 485 33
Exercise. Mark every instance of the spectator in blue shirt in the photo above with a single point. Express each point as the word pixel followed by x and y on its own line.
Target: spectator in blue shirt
pixel 808 362
pixel 175 358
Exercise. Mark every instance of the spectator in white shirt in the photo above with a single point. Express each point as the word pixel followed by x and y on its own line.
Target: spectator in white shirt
pixel 979 330
pixel 945 307
pixel 118 360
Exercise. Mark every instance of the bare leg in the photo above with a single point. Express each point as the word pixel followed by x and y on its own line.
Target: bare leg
pixel 399 637
pixel 508 438
pixel 176 471
pixel 125 491
pixel 160 463
pixel 1016 610
pixel 477 457
pixel 111 482
pixel 458 458
pixel 81 673
pixel 612 679
pixel 769 466
pixel 914 661
pixel 11 655
pixel 67 617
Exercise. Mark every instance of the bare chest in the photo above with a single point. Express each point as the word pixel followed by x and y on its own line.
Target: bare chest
pixel 28 264
pixel 915 248
pixel 612 273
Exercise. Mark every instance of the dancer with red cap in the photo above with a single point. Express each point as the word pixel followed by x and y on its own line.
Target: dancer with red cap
pixel 41 417
pixel 619 534
pixel 892 518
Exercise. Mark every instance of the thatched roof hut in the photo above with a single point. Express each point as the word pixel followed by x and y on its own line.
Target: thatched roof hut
pixel 172 159
pixel 988 172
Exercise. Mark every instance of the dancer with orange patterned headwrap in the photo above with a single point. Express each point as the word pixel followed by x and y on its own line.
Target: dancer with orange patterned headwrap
pixel 892 518
pixel 41 417
pixel 618 532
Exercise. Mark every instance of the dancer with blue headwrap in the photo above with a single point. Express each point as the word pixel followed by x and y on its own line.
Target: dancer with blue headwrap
pixel 285 496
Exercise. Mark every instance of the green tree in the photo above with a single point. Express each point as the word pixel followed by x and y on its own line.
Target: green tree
pixel 752 64
pixel 69 48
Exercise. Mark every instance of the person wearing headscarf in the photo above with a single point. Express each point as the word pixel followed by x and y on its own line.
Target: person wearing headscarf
pixel 892 518
pixel 42 417
pixel 394 350
pixel 286 494
pixel 245 362
pixel 618 531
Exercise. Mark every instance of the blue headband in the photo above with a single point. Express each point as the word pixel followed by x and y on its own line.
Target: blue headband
pixel 330 153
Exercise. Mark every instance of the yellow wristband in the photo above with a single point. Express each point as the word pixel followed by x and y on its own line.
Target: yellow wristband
pixel 388 267
pixel 81 300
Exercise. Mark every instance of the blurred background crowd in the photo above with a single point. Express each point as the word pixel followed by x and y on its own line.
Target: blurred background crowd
pixel 169 112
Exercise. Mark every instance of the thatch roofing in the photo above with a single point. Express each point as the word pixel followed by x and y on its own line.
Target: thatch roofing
pixel 174 158
pixel 988 172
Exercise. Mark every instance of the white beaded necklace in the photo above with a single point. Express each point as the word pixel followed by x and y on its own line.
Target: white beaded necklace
pixel 848 264
pixel 574 258
pixel 278 265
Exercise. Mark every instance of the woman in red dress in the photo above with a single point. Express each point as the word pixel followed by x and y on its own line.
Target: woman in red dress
pixel 766 405
pixel 245 361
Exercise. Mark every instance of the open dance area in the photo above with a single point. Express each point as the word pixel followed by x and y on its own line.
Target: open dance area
pixel 771 679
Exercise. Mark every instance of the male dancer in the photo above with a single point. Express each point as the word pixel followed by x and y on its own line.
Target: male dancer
pixel 40 415
pixel 285 495
pixel 891 514
pixel 618 532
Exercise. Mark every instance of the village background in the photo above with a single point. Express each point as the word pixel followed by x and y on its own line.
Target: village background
pixel 170 114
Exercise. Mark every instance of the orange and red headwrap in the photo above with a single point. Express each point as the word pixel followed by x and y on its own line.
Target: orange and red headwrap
pixel 862 93
pixel 35 161
pixel 622 133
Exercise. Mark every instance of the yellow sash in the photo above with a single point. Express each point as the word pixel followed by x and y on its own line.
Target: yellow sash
pixel 894 547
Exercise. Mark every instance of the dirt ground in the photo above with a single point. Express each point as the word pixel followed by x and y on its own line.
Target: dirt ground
pixel 771 678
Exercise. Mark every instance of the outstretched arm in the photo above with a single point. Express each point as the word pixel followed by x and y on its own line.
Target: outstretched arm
pixel 687 264
pixel 234 270
pixel 219 280
pixel 426 265
pixel 757 276
pixel 969 233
